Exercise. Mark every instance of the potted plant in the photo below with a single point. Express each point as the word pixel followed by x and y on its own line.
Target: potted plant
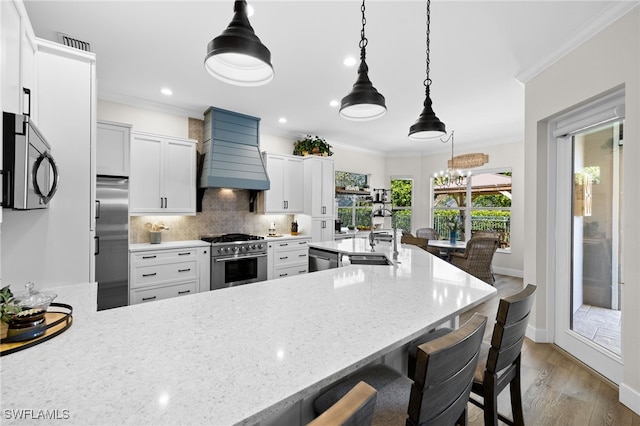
pixel 454 227
pixel 8 308
pixel 312 145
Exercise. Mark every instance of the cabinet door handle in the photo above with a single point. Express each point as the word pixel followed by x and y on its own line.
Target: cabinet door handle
pixel 184 292
pixel 166 205
pixel 185 254
pixel 149 275
pixel 284 257
pixel 184 270
pixel 148 298
pixel 324 210
pixel 149 257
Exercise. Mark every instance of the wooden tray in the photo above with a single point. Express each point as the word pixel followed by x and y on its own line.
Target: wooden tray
pixel 57 320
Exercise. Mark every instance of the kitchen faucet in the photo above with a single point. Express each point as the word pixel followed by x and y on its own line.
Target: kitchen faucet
pixel 372 234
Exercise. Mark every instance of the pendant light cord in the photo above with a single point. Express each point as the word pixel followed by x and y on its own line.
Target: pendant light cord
pixel 427 81
pixel 363 39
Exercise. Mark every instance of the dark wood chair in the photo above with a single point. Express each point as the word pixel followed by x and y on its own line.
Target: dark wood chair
pixel 353 409
pixel 477 257
pixel 439 392
pixel 499 363
pixel 422 240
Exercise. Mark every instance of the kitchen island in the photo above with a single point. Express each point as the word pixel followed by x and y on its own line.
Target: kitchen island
pixel 253 354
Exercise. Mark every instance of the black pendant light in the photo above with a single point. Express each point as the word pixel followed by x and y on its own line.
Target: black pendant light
pixel 237 56
pixel 364 102
pixel 427 126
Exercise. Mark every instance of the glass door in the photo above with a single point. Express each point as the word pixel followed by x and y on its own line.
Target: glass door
pixel 589 197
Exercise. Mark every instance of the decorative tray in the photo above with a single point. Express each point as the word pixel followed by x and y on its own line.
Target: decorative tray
pixel 56 321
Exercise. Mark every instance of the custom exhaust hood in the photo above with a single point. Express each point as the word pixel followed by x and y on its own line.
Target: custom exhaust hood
pixel 232 156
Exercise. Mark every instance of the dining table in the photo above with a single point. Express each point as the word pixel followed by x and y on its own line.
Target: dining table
pixel 447 247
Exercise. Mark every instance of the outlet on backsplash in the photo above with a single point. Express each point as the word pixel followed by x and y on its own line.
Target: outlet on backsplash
pixel 223 211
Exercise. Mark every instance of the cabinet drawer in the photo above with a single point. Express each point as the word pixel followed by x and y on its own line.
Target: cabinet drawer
pixel 290 245
pixel 159 293
pixel 162 256
pixel 290 257
pixel 291 271
pixel 159 273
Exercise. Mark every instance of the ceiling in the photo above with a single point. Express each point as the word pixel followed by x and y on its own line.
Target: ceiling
pixel 479 52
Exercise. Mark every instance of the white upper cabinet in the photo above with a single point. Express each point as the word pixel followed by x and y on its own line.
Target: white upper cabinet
pixel 112 149
pixel 319 194
pixel 286 184
pixel 162 175
pixel 18 59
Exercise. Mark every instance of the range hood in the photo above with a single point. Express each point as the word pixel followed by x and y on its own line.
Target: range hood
pixel 232 156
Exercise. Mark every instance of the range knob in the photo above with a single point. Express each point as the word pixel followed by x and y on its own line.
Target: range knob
pixel 253 246
pixel 221 250
pixel 227 249
pixel 235 249
pixel 260 246
pixel 243 248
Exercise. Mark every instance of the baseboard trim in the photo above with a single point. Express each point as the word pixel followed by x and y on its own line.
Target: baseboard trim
pixel 630 398
pixel 509 272
pixel 537 335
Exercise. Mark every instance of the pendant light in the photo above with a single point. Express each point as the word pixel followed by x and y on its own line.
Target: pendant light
pixel 364 102
pixel 427 126
pixel 237 56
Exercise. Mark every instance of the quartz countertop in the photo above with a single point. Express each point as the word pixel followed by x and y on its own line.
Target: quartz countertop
pixel 168 245
pixel 231 356
pixel 351 246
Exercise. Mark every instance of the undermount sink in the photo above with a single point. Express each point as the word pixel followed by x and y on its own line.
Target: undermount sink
pixel 369 259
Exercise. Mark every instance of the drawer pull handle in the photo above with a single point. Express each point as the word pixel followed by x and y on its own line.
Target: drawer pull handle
pixel 184 270
pixel 302 243
pixel 184 254
pixel 149 257
pixel 283 275
pixel 149 275
pixel 184 292
pixel 148 298
pixel 284 244
pixel 302 255
pixel 304 271
pixel 284 257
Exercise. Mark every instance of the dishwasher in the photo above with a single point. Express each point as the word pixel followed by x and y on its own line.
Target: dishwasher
pixel 320 260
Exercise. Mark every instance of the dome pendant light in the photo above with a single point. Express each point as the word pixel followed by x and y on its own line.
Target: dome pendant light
pixel 364 102
pixel 427 126
pixel 237 56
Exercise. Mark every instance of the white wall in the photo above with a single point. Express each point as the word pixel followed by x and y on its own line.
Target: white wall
pixel 144 120
pixel 500 156
pixel 609 60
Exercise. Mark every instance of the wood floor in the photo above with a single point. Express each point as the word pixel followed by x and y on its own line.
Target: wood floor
pixel 556 388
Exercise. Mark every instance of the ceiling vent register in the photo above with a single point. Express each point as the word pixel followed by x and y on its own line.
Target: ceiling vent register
pixel 67 40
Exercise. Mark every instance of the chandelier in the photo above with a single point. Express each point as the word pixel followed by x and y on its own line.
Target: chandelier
pixel 451 177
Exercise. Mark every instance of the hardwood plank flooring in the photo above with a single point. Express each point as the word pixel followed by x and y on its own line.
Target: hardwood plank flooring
pixel 557 389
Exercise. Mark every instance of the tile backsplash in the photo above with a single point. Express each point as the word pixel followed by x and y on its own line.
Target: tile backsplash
pixel 223 211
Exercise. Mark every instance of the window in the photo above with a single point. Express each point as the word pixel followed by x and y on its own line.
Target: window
pixel 481 204
pixel 402 202
pixel 352 194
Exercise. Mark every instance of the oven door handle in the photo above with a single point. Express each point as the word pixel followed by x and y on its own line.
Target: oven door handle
pixel 227 259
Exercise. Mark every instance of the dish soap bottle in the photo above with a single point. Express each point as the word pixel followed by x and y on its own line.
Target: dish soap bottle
pixel 294 228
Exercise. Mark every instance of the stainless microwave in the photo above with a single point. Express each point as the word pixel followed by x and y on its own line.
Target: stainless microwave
pixel 29 172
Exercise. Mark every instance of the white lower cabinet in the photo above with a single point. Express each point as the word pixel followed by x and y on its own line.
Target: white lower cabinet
pixel 157 274
pixel 288 257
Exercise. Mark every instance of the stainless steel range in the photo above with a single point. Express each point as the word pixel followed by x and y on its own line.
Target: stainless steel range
pixel 236 259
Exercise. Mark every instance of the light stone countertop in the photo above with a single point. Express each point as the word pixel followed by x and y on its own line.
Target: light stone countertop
pixel 168 245
pixel 230 356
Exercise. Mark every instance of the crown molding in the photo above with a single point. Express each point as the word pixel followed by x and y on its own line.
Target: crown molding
pixel 617 10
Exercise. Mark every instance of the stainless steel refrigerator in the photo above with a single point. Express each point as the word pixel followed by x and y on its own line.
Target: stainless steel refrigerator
pixel 112 241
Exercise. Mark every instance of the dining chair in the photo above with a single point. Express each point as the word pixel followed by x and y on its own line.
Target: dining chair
pixel 430 234
pixel 477 257
pixel 499 363
pixel 353 409
pixel 439 391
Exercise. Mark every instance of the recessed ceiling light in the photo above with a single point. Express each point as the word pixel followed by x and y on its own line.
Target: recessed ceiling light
pixel 349 61
pixel 166 91
pixel 334 103
pixel 282 120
